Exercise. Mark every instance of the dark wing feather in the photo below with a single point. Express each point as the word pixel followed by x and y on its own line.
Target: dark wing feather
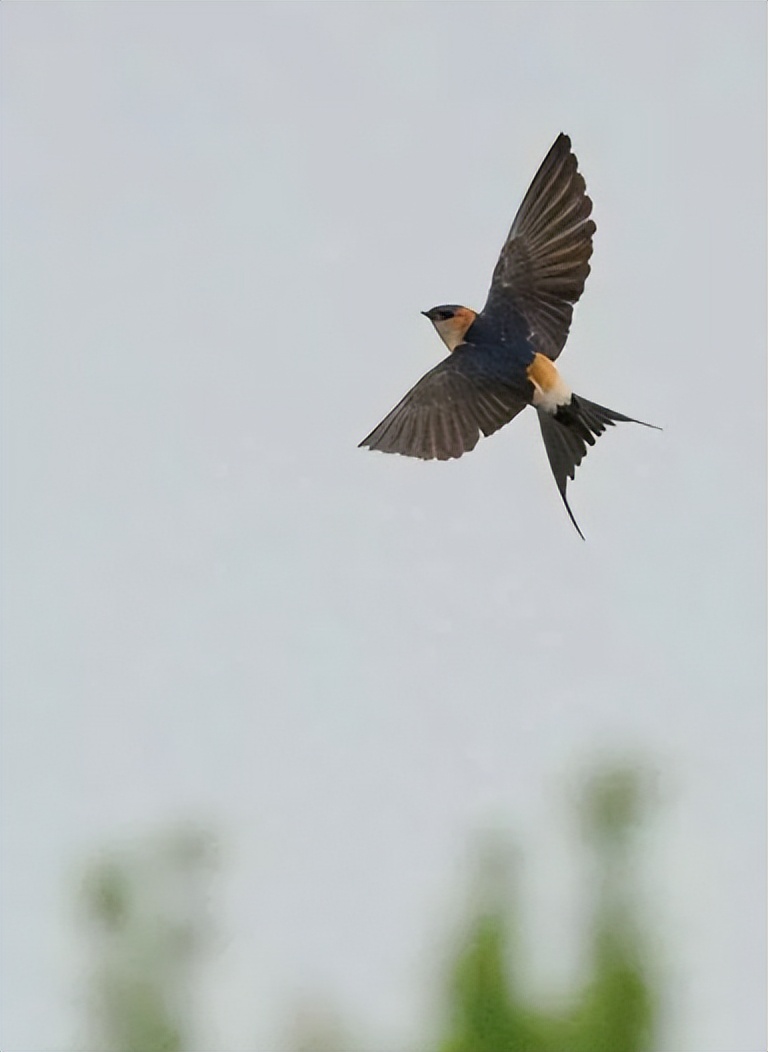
pixel 442 416
pixel 544 262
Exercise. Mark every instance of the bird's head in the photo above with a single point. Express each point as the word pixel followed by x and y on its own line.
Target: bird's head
pixel 451 322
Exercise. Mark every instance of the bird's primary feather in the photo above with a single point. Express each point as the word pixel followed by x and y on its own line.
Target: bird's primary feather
pixel 544 262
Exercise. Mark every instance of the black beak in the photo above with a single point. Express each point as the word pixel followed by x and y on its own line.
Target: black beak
pixel 426 314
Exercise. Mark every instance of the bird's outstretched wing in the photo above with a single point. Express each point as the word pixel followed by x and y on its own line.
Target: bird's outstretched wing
pixel 442 416
pixel 544 262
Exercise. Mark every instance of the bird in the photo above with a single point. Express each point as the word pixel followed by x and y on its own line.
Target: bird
pixel 502 359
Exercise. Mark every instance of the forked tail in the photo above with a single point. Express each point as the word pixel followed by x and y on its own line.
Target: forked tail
pixel 569 431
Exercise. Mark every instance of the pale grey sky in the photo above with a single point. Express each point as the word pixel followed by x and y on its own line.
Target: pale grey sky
pixel 220 224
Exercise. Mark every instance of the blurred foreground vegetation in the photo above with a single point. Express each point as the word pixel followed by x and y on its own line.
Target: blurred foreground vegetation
pixel 147 918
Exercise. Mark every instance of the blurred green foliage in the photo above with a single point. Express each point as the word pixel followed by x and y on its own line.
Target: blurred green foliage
pixel 615 1009
pixel 147 914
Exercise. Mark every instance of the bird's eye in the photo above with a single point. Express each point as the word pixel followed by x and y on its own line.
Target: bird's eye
pixel 444 315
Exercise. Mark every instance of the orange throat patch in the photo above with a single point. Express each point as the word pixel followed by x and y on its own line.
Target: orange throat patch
pixel 453 330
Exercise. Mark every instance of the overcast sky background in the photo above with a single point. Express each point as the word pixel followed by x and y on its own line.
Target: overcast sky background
pixel 220 225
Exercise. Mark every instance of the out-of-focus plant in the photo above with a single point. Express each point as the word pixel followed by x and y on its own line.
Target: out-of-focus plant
pixel 614 1010
pixel 148 921
pixel 147 918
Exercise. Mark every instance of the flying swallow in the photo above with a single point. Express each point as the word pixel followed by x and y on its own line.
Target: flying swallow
pixel 502 359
